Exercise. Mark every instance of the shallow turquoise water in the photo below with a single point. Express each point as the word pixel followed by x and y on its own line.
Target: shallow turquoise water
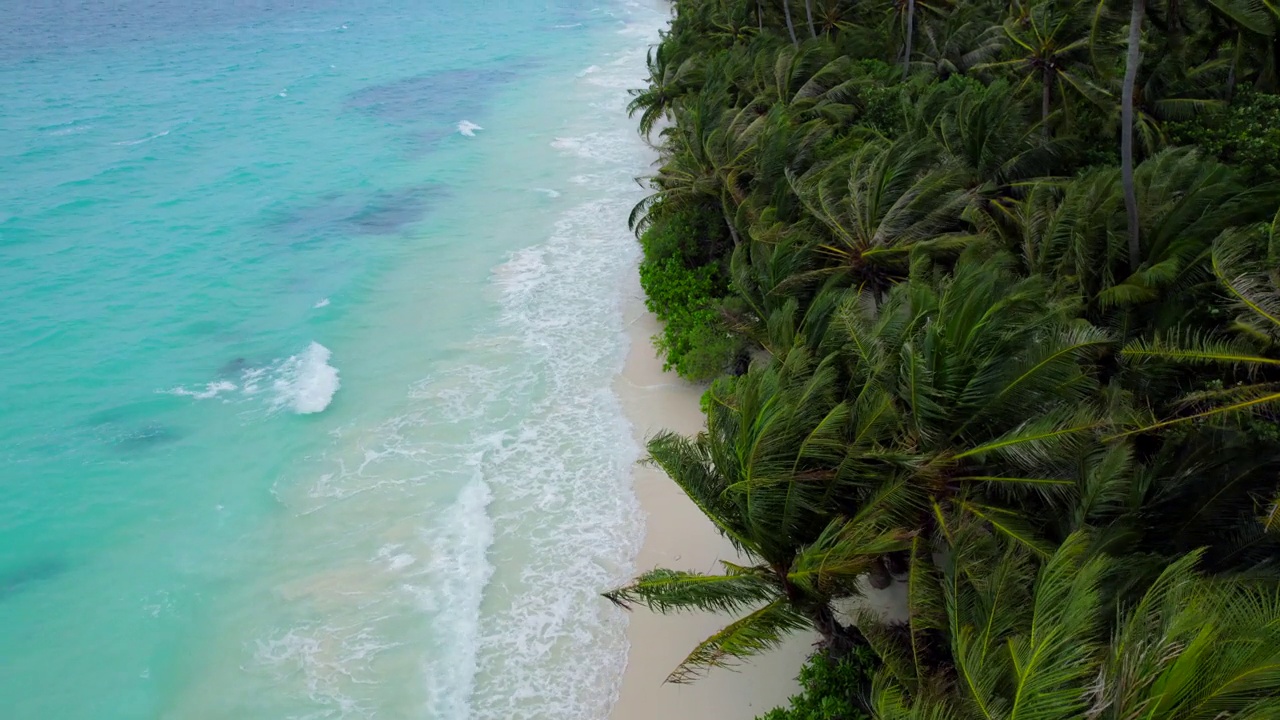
pixel 310 318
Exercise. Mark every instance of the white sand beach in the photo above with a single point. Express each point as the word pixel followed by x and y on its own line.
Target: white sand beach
pixel 680 537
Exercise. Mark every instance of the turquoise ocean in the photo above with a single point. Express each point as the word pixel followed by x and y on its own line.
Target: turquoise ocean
pixel 309 317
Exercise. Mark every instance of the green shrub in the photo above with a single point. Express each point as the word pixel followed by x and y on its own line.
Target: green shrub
pixel 831 691
pixel 684 282
pixel 693 234
pixel 694 339
pixel 1245 133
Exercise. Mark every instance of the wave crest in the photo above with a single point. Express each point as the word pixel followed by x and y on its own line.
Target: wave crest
pixel 307 382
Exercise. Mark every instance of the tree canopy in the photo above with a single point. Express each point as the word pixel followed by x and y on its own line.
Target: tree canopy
pixel 988 294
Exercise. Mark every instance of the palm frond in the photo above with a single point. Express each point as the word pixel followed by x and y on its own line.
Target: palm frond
pixel 665 591
pixel 755 633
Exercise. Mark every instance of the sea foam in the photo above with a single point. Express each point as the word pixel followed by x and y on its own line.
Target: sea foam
pixel 210 390
pixel 468 128
pixel 149 138
pixel 306 382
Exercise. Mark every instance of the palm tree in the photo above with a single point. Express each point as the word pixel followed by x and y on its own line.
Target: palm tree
pixel 1050 47
pixel 798 77
pixel 707 152
pixel 968 397
pixel 834 16
pixel 1021 641
pixel 984 132
pixel 731 24
pixel 668 81
pixel 760 473
pixel 957 44
pixel 1076 232
pixel 1244 263
pixel 878 204
pixel 966 394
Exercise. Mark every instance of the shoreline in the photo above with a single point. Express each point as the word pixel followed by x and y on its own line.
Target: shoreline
pixel 678 536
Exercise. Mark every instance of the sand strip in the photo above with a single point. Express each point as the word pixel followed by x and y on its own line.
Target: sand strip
pixel 678 536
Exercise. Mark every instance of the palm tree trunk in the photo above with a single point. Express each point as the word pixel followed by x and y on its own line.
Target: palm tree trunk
pixel 808 14
pixel 791 29
pixel 760 13
pixel 728 221
pixel 1045 96
pixel 911 31
pixel 1126 131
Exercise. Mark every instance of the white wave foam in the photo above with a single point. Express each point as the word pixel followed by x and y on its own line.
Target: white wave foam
pixel 548 192
pixel 210 391
pixel 598 146
pixel 71 130
pixel 306 382
pixel 468 128
pixel 143 140
pixel 566 27
pixel 589 70
pixel 325 658
pixel 323 302
pixel 566 521
pixel 394 557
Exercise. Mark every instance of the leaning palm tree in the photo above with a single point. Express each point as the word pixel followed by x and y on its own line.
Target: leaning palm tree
pixel 970 392
pixel 984 133
pixel 1015 640
pixel 955 44
pixel 1216 422
pixel 955 399
pixel 1048 48
pixel 1076 232
pixel 1244 261
pixel 761 472
pixel 668 81
pixel 878 205
pixel 707 153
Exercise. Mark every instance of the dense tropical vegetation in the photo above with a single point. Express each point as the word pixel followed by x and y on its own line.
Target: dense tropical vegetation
pixel 989 296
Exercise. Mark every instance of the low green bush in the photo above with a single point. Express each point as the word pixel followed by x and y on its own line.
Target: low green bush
pixel 1244 133
pixel 831 691
pixel 684 290
pixel 694 340
pixel 695 234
